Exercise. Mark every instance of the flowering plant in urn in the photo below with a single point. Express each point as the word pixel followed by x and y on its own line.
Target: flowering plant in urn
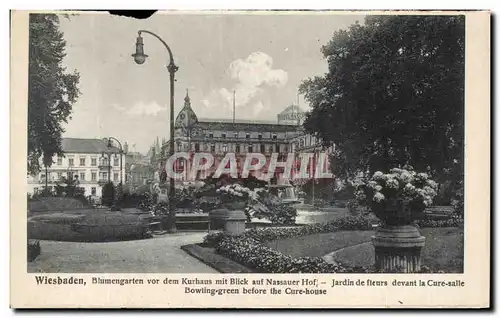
pixel 398 197
pixel 234 196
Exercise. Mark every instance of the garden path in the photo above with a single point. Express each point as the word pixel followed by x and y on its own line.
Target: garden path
pixel 161 254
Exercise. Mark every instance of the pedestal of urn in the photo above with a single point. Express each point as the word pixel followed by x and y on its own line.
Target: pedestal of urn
pixel 235 222
pixel 398 248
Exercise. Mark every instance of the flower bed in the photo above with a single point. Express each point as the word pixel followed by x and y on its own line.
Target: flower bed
pixel 249 250
pixel 268 234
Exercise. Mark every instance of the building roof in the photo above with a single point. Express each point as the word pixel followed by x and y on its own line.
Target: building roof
pixel 82 145
pixel 243 125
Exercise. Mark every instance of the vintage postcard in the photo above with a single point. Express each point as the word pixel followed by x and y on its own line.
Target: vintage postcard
pixel 250 159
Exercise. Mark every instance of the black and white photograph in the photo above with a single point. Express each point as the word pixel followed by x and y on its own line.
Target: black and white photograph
pixel 278 143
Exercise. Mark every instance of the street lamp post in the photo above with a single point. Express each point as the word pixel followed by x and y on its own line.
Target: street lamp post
pixel 109 144
pixel 140 58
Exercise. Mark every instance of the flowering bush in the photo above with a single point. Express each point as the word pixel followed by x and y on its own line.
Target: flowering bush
pixel 416 190
pixel 235 196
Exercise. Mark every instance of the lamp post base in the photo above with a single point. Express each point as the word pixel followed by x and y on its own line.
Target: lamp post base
pixel 398 249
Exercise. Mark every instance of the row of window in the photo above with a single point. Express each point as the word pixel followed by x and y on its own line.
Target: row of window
pixel 82 176
pixel 93 162
pixel 307 141
pixel 237 148
pixel 247 136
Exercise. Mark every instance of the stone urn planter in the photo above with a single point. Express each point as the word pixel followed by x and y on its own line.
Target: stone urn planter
pixel 218 218
pixel 398 244
pixel 234 220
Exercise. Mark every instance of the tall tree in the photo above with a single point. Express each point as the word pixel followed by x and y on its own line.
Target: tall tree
pixel 393 94
pixel 51 90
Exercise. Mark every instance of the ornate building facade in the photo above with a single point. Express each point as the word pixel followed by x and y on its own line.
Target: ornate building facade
pixel 222 136
pixel 90 162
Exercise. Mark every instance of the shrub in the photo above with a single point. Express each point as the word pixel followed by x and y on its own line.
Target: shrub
pixel 213 239
pixel 458 200
pixel 34 250
pixel 353 206
pixel 283 214
pixel 119 193
pixel 108 194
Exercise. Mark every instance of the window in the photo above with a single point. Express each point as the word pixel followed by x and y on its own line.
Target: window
pixel 250 148
pixel 235 135
pixel 93 162
pixel 94 176
pixel 104 162
pixel 179 147
pixel 196 147
pixel 224 148
pixel 260 136
pixel 237 149
pixel 82 162
pixel 248 136
pixel 275 137
pixel 93 191
pixel 105 176
pixel 116 162
pixel 212 148
pixel 82 176
pixel 211 135
pixel 262 147
pixel 71 161
pixel 115 177
pixel 59 175
pixel 271 148
pixel 59 161
pixel 223 135
pixel 42 176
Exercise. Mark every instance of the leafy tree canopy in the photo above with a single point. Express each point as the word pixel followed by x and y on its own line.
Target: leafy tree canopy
pixel 52 91
pixel 393 95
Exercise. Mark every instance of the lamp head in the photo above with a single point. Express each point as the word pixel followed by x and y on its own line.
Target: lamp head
pixel 139 56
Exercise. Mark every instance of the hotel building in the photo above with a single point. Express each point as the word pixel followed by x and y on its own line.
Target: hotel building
pixel 91 162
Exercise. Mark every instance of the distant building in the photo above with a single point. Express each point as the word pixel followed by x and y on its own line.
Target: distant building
pixel 139 171
pixel 84 160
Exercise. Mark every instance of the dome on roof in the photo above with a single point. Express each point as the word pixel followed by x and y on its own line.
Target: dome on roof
pixel 186 117
pixel 292 115
pixel 292 109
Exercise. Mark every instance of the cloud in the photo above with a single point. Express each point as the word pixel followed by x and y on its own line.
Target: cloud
pixel 141 108
pixel 251 77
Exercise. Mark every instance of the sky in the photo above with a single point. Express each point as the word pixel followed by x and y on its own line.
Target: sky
pixel 262 57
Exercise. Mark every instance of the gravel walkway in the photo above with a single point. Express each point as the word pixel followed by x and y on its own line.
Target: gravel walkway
pixel 161 254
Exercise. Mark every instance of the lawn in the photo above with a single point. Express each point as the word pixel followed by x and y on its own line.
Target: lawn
pixel 443 250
